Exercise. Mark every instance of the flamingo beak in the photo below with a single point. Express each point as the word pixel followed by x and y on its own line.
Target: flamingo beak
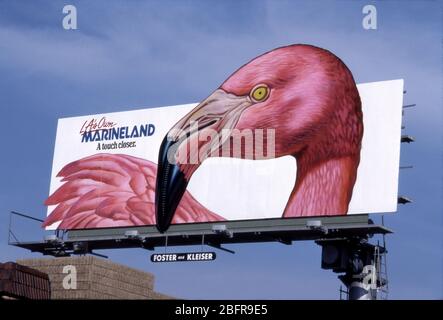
pixel 176 164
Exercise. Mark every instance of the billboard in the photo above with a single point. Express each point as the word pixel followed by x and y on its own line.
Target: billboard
pixel 208 162
pixel 104 169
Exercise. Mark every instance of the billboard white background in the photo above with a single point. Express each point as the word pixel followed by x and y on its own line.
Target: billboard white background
pixel 246 189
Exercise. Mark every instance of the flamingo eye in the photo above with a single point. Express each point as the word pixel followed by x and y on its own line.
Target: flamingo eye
pixel 259 93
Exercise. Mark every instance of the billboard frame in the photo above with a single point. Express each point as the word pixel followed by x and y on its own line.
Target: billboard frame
pixel 215 234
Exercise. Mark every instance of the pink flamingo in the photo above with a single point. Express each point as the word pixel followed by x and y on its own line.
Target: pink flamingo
pixel 113 190
pixel 309 97
pixel 305 93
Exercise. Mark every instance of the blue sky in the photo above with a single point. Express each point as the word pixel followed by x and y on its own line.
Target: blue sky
pixel 131 54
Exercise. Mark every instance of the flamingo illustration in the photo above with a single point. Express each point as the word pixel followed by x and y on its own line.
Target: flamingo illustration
pixel 309 97
pixel 306 94
pixel 113 190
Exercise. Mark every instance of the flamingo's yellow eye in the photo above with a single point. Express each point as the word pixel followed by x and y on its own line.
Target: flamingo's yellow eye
pixel 259 93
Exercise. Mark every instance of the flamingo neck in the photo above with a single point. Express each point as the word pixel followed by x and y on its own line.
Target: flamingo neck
pixel 322 189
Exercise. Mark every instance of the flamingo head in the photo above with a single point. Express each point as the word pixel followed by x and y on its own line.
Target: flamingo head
pixel 298 91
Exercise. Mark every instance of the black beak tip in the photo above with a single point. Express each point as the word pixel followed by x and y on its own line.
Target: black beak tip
pixel 161 228
pixel 170 186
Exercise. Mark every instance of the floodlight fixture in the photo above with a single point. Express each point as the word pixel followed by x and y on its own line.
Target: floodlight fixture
pixel 316 225
pixel 132 234
pixel 222 229
pixel 52 238
pixel 407 139
pixel 403 200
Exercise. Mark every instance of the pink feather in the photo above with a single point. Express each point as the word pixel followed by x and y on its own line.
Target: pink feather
pixel 114 190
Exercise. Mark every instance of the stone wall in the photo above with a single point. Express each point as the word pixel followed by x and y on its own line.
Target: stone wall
pixel 96 279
